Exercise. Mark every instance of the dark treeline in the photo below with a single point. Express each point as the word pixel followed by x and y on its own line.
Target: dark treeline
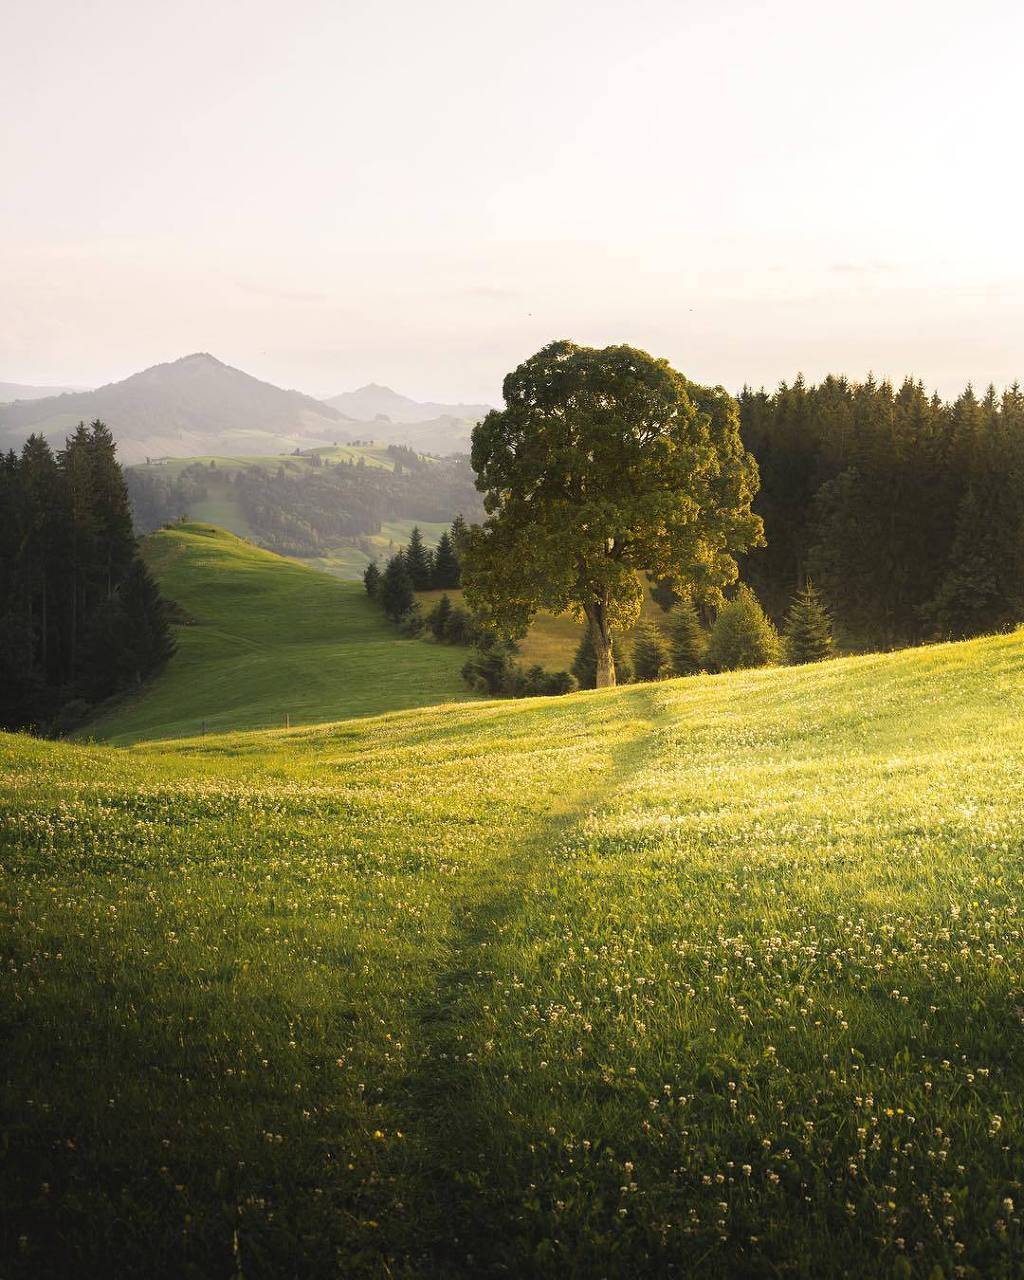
pixel 907 512
pixel 80 617
pixel 158 500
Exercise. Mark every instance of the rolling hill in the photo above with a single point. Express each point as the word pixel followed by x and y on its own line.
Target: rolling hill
pixel 425 426
pixel 715 977
pixel 10 391
pixel 195 405
pixel 269 638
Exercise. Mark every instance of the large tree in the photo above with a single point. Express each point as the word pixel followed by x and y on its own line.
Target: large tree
pixel 604 465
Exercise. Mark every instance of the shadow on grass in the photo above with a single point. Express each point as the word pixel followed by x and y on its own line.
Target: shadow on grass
pixel 449 1218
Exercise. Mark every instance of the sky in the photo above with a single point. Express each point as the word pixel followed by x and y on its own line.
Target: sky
pixel 326 193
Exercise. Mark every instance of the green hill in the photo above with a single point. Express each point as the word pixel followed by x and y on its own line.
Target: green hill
pixel 268 638
pixel 716 977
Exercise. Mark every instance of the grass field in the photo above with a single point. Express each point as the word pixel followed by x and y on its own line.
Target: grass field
pixel 272 638
pixel 717 977
pixel 373 455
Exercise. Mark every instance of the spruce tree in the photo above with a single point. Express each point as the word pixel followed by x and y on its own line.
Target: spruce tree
pixel 969 601
pixel 584 663
pixel 115 536
pixel 808 628
pixel 371 579
pixel 650 654
pixel 439 618
pixel 446 564
pixel 742 636
pixel 418 562
pixel 688 645
pixel 150 641
pixel 395 592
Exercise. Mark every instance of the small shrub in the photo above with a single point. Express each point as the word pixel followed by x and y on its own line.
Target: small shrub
pixel 461 627
pixel 490 668
pixel 742 635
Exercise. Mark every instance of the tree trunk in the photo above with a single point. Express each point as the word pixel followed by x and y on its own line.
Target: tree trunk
pixel 602 646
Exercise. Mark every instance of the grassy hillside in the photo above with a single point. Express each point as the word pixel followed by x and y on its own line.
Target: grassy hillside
pixel 718 977
pixel 269 638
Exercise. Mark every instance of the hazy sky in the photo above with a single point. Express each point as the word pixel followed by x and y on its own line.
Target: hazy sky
pixel 422 194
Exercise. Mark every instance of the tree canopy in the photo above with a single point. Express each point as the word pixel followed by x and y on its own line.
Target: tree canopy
pixel 604 464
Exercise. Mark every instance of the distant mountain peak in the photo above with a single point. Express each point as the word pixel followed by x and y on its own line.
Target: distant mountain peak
pixel 366 402
pixel 190 406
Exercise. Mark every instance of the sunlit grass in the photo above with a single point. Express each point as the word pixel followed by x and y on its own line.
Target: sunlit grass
pixel 718 977
pixel 270 639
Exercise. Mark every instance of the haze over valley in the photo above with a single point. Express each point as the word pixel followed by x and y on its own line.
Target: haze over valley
pixel 197 405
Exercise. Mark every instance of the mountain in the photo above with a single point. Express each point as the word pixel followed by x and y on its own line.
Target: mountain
pixel 368 402
pixel 420 424
pixel 19 391
pixel 193 406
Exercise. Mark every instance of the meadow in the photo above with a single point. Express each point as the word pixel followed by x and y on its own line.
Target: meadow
pixel 715 977
pixel 267 638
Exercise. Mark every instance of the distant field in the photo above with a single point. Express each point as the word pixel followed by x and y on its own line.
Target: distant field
pixel 272 638
pixel 373 455
pixel 722 977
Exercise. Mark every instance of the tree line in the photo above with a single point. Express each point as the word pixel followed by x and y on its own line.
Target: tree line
pixel 80 616
pixel 308 512
pixel 906 511
pixel 158 500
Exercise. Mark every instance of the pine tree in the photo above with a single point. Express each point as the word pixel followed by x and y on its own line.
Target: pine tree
pixel 81 535
pixel 395 591
pixel 446 564
pixel 650 655
pixel 439 618
pixel 969 600
pixel 150 640
pixel 742 636
pixel 418 561
pixel 371 579
pixel 584 663
pixel 808 628
pixel 688 644
pixel 115 537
